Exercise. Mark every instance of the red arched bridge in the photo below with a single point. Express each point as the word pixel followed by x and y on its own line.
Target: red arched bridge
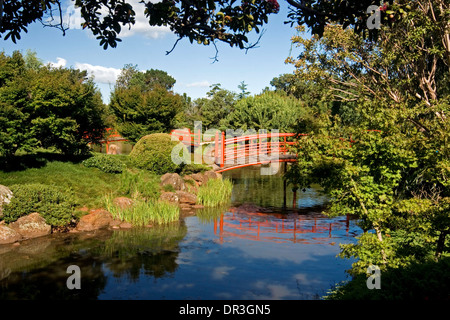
pixel 241 150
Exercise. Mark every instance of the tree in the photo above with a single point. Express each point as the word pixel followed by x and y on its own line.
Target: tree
pixel 388 162
pixel 267 111
pixel 204 22
pixel 47 107
pixel 244 93
pixel 213 109
pixel 142 103
pixel 131 76
pixel 283 83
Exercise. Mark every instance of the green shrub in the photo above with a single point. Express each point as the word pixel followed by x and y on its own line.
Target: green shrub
pixel 416 282
pixel 193 168
pixel 106 163
pixel 153 153
pixel 56 206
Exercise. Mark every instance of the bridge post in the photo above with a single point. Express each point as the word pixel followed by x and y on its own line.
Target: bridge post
pixel 222 161
pixel 216 148
pixel 284 185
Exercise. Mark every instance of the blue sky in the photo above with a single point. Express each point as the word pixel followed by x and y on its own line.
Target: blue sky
pixel 190 64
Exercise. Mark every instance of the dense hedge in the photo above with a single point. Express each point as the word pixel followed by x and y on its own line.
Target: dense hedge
pixel 55 205
pixel 153 153
pixel 106 163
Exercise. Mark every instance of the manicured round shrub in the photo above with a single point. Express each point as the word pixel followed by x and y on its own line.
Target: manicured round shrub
pixel 106 163
pixel 153 152
pixel 55 205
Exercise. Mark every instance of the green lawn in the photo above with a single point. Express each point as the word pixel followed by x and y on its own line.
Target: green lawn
pixel 89 184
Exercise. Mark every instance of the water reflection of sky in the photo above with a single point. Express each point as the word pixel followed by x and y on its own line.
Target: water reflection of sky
pixel 242 268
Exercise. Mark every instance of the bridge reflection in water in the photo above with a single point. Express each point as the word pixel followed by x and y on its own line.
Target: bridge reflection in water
pixel 281 228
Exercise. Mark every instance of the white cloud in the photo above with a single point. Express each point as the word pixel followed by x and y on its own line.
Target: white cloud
pixel 220 272
pixel 101 74
pixel 60 62
pixel 72 19
pixel 201 84
pixel 141 25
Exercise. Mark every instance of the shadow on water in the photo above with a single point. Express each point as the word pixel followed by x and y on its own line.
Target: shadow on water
pixel 37 269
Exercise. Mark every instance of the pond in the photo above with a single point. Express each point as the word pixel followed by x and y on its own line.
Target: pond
pixel 252 249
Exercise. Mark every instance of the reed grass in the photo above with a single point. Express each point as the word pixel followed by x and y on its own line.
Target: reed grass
pixel 143 213
pixel 139 183
pixel 215 192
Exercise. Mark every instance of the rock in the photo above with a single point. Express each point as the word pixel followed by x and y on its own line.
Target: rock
pixel 123 202
pixel 199 177
pixel 8 235
pixel 97 219
pixel 212 175
pixel 202 178
pixel 191 184
pixel 170 197
pixel 125 225
pixel 186 197
pixel 31 226
pixel 174 180
pixel 115 223
pixel 198 206
pixel 5 197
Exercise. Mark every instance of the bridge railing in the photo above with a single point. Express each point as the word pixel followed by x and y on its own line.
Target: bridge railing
pixel 240 149
pixel 251 148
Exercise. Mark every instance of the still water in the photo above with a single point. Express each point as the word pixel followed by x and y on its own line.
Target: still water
pixel 252 249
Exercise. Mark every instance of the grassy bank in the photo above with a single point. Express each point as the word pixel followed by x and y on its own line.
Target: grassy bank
pixel 144 212
pixel 96 181
pixel 88 184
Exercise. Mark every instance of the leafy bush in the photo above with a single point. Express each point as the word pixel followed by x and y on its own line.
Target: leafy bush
pixel 193 168
pixel 153 153
pixel 418 281
pixel 106 163
pixel 56 206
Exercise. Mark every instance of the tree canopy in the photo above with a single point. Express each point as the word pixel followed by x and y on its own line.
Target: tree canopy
pixel 143 103
pixel 41 106
pixel 266 111
pixel 204 22
pixel 382 152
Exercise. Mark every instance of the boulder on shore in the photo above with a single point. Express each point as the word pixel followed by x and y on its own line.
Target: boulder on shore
pixel 186 197
pixel 97 219
pixel 123 202
pixel 173 179
pixel 8 235
pixel 31 226
pixel 202 178
pixel 179 197
pixel 169 197
pixel 5 197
